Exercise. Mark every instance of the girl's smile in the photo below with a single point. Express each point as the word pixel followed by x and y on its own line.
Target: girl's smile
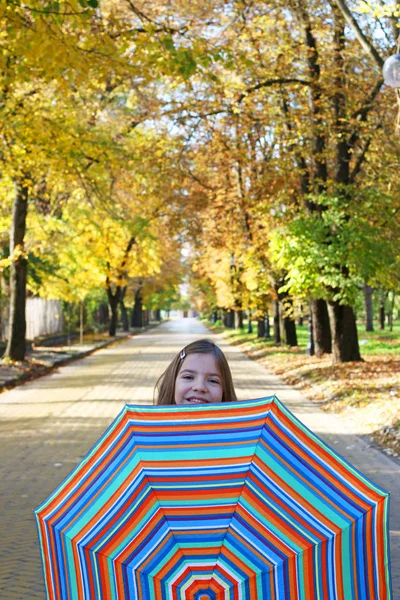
pixel 199 380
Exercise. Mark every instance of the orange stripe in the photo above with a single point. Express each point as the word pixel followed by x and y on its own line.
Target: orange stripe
pixel 48 552
pixel 292 577
pixel 368 544
pixel 382 591
pixel 196 415
pixel 309 570
pixel 339 566
pixel 354 551
pixel 324 561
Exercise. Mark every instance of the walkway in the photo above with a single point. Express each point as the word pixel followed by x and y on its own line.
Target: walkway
pixel 47 426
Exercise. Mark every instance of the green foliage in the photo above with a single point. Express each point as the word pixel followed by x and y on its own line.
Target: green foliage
pixel 182 303
pixel 330 253
pixel 380 342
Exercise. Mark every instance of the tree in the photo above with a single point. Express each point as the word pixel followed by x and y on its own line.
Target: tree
pixel 83 57
pixel 360 244
pixel 323 134
pixel 84 245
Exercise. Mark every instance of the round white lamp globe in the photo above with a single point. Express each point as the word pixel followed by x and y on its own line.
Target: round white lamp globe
pixel 391 71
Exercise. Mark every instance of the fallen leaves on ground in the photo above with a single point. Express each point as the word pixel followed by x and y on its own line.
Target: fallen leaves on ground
pixel 366 393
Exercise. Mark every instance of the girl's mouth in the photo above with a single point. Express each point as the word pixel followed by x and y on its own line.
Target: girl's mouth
pixel 196 400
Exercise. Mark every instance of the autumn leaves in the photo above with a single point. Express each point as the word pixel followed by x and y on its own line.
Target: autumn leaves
pixel 254 134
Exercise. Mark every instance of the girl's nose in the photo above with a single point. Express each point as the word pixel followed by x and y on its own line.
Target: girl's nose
pixel 199 385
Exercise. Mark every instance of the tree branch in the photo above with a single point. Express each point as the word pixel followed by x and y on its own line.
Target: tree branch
pixel 301 163
pixel 270 83
pixel 314 70
pixel 362 112
pixel 199 181
pixel 366 44
pixel 128 248
pixel 360 159
pixel 393 22
pixel 143 17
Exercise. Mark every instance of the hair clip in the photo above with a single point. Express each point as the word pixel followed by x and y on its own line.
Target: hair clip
pixel 182 354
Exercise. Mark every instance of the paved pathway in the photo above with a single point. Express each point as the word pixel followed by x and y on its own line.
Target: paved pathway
pixel 47 425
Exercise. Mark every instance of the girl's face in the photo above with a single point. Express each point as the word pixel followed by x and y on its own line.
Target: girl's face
pixel 199 380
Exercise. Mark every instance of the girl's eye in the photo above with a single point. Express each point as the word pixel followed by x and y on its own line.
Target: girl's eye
pixel 187 377
pixel 214 381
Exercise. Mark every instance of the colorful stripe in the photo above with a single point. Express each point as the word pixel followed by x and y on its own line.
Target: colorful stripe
pixel 237 501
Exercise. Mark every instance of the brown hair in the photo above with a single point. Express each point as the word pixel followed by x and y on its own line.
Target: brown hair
pixel 165 386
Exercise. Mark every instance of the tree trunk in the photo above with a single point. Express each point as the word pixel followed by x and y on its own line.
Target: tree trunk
pixel 124 315
pixel 382 311
pixel 157 315
pixel 124 312
pixel 369 323
pixel 102 314
pixel 113 302
pixel 260 327
pixel 288 322
pixel 239 319
pixel 267 333
pixel 290 331
pixel 277 328
pixel 391 310
pixel 137 311
pixel 118 296
pixel 229 319
pixel 321 327
pixel 300 320
pixel 17 326
pixel 345 346
pixel 81 319
pixel 310 345
pixel 69 323
pixel 249 326
pixel 1 308
pixel 382 317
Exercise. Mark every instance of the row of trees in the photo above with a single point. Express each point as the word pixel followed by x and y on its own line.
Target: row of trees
pixel 89 187
pixel 257 134
pixel 297 165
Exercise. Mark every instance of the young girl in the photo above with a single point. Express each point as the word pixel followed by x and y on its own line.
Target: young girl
pixel 199 374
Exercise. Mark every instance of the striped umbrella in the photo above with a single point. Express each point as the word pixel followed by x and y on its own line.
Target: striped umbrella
pixel 235 501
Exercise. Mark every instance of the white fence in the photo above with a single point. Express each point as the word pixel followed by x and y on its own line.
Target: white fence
pixel 43 317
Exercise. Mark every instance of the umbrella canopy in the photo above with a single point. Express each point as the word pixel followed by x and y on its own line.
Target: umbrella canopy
pixel 232 501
